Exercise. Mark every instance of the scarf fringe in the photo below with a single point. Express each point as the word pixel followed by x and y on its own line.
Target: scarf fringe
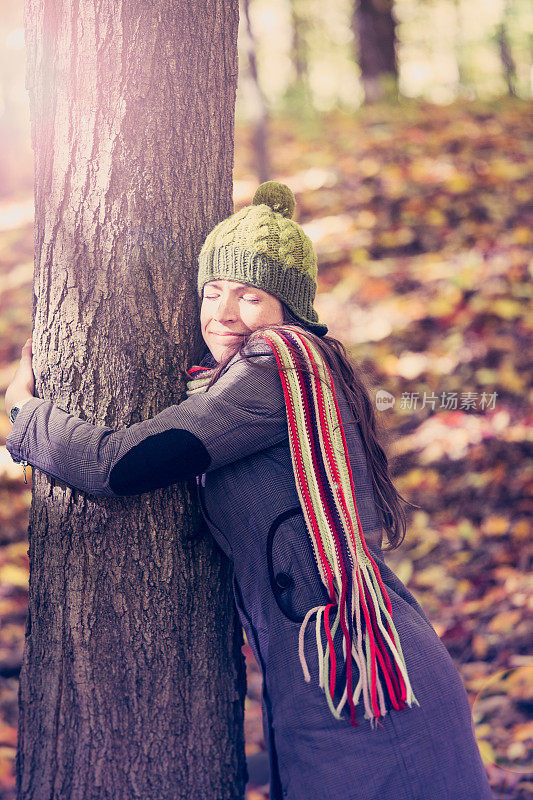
pixel 325 487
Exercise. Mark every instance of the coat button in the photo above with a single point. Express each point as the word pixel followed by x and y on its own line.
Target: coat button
pixel 283 580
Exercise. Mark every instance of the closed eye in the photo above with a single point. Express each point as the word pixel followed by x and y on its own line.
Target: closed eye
pixel 248 298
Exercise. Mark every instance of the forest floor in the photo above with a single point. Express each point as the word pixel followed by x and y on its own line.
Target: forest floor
pixel 419 219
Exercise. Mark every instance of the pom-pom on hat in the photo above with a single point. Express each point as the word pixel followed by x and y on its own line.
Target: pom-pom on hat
pixel 262 246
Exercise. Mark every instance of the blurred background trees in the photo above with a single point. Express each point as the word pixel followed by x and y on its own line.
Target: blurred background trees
pixel 307 57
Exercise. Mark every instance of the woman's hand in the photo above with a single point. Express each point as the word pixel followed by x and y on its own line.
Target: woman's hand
pixel 22 386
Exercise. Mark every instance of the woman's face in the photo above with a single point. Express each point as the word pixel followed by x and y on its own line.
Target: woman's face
pixel 230 310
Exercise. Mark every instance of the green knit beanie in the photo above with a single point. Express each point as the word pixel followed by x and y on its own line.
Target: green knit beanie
pixel 262 246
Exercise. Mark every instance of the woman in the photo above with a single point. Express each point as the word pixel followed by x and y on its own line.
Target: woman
pixel 361 699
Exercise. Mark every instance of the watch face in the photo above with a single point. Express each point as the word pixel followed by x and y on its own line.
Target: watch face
pixel 13 413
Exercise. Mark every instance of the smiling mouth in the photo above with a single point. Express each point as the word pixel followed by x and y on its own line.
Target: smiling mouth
pixel 230 335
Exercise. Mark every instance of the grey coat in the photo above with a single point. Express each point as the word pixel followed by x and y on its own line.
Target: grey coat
pixel 234 438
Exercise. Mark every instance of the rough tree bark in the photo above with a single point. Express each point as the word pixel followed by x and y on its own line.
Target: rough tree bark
pixel 132 684
pixel 374 28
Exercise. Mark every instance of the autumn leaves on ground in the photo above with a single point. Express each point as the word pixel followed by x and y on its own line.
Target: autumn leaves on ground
pixel 419 219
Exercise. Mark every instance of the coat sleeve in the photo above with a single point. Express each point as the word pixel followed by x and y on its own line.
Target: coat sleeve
pixel 242 413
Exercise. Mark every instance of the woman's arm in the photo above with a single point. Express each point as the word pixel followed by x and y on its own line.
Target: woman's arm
pixel 242 413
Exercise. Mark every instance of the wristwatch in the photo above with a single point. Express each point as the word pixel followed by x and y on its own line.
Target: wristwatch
pixel 12 416
pixel 13 413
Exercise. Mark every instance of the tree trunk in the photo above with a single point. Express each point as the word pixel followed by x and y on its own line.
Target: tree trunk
pixel 464 88
pixel 132 683
pixel 298 96
pixel 258 107
pixel 299 44
pixel 506 57
pixel 374 28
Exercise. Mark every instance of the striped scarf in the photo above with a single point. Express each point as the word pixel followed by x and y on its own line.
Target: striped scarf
pixel 358 597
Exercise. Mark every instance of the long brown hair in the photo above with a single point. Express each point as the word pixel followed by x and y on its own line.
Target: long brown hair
pixel 373 435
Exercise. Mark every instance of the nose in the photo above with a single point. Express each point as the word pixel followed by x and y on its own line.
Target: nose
pixel 226 310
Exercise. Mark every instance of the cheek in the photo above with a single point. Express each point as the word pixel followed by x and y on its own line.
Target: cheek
pixel 204 317
pixel 263 314
pixel 252 315
pixel 274 313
